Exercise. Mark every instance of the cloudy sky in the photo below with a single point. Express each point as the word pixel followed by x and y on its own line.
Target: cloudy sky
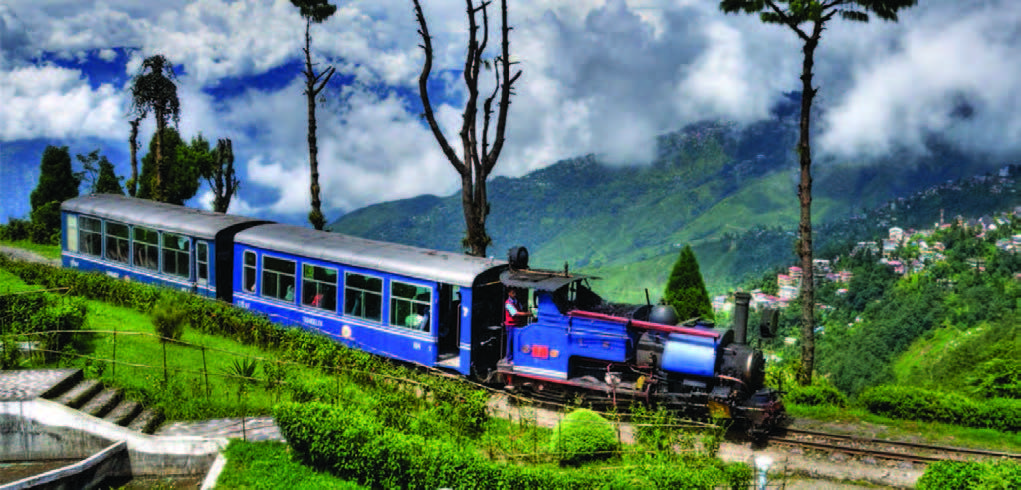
pixel 601 76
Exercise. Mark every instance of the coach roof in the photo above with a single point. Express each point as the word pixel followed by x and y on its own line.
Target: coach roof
pixel 162 216
pixel 421 263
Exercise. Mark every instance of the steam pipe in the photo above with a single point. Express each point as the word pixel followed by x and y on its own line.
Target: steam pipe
pixel 741 301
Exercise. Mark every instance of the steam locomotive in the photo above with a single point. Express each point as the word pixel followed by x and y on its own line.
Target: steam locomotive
pixel 433 308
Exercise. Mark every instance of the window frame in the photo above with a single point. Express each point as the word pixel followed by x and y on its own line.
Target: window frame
pixel 246 268
pixel 278 284
pixel 201 262
pixel 72 233
pixel 176 254
pixel 310 284
pixel 141 249
pixel 355 293
pixel 396 302
pixel 110 241
pixel 89 238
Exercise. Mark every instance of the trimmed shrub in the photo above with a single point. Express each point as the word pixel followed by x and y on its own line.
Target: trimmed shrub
pixel 969 475
pixel 815 395
pixel 583 435
pixel 934 406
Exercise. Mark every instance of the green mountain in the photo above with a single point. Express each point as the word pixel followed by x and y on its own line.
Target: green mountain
pixel 730 191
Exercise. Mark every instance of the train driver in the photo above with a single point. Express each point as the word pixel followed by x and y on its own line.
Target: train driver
pixel 514 315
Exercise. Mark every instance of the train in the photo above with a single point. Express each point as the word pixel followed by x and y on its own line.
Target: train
pixel 433 308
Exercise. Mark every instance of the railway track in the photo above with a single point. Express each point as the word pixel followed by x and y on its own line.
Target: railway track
pixel 882 448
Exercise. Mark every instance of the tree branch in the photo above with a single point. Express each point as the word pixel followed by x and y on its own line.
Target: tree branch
pixel 787 19
pixel 505 92
pixel 423 90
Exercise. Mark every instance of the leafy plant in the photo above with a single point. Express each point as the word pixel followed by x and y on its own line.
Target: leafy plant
pixel 583 435
pixel 169 319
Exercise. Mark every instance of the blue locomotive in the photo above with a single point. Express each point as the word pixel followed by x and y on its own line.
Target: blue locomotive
pixel 432 308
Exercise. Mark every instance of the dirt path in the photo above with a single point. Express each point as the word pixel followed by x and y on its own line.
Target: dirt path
pixel 27 256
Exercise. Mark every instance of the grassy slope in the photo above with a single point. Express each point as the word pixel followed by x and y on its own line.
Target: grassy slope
pixel 272 465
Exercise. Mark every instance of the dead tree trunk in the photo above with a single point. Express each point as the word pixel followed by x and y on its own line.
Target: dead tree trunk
pixel 477 158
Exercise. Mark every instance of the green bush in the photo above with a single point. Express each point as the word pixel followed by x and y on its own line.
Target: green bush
pixel 934 406
pixel 169 318
pixel 997 378
pixel 15 230
pixel 815 395
pixel 969 475
pixel 583 435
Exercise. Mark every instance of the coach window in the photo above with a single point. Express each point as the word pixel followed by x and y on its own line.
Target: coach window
pixel 278 278
pixel 146 245
pixel 90 236
pixel 249 271
pixel 117 238
pixel 319 287
pixel 363 296
pixel 202 262
pixel 409 306
pixel 176 255
pixel 72 233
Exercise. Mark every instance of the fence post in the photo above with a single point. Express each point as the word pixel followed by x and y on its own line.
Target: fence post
pixel 205 370
pixel 337 370
pixel 164 362
pixel 114 351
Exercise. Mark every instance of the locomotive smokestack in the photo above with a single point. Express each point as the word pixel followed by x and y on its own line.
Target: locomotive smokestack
pixel 741 317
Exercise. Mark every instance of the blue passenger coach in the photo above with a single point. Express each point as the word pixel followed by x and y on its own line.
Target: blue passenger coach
pixel 151 242
pixel 423 306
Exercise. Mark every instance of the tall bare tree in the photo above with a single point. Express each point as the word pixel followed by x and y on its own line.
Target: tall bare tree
pixel 477 157
pixel 153 89
pixel 794 14
pixel 133 141
pixel 221 177
pixel 314 11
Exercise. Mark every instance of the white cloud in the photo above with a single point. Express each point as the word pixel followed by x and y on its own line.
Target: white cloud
pixel 53 102
pixel 600 76
pixel 955 73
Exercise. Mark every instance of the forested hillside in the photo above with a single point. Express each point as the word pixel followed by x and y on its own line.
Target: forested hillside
pixel 729 191
pixel 954 326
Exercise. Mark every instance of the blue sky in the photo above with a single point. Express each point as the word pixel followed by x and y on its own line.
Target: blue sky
pixel 599 76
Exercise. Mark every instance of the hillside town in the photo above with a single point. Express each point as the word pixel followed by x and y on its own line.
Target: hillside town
pixel 907 251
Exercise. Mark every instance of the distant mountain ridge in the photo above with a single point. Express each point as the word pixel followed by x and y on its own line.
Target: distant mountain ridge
pixel 709 181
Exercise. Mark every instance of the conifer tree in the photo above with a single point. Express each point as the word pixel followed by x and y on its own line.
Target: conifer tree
pixel 685 290
pixel 57 183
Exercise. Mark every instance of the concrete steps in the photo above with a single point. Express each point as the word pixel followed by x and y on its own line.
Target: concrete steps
pixel 91 397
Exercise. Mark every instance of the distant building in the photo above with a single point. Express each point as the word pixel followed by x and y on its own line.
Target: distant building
pixel 896 234
pixel 889 246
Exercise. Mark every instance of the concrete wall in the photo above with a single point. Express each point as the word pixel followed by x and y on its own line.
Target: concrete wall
pixel 110 463
pixel 44 427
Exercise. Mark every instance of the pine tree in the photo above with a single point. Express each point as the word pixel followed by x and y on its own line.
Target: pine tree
pixel 685 290
pixel 108 181
pixel 57 183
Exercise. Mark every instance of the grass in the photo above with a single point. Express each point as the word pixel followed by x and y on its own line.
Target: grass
pixel 272 465
pixel 925 432
pixel 48 251
pixel 139 370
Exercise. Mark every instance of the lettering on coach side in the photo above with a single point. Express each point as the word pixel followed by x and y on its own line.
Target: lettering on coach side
pixel 315 322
